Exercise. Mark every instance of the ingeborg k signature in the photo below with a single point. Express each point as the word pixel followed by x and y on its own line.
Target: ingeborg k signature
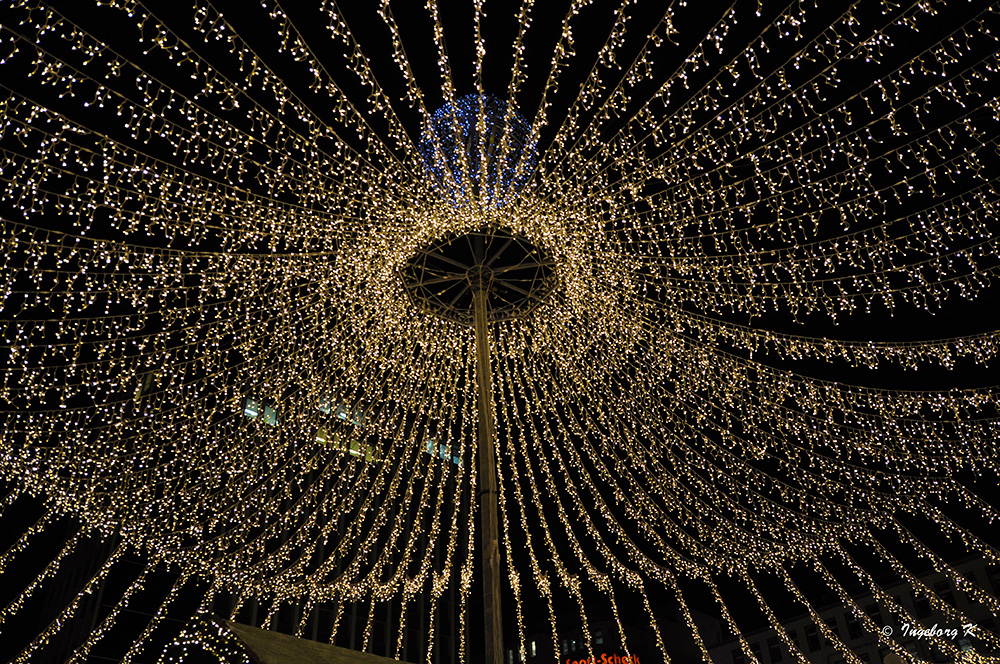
pixel 921 632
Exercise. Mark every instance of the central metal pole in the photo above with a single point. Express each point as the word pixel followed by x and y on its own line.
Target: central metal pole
pixel 488 496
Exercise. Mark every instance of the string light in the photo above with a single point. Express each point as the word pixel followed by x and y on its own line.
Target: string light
pixel 210 353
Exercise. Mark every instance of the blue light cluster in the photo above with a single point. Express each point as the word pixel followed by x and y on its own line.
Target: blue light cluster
pixel 496 179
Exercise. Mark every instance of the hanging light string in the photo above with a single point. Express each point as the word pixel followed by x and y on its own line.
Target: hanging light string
pixel 871 49
pixel 50 570
pixel 202 281
pixel 199 149
pixel 293 42
pixel 518 76
pixel 43 638
pixel 108 622
pixel 212 23
pixel 22 542
pixel 893 605
pixel 774 135
pixel 775 623
pixel 569 581
pixel 141 642
pixel 594 85
pixel 571 160
pixel 940 565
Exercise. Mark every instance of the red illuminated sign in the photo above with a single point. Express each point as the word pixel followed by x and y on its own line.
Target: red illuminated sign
pixel 606 659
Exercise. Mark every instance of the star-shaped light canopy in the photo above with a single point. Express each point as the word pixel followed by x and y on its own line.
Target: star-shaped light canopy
pixel 223 229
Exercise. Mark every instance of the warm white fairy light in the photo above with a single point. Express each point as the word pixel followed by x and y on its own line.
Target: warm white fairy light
pixel 209 351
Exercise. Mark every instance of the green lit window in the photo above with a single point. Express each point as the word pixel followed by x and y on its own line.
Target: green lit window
pixel 270 416
pixel 145 383
pixel 251 408
pixel 441 451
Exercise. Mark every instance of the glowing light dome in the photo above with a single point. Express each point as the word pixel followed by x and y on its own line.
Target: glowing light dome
pixel 479 148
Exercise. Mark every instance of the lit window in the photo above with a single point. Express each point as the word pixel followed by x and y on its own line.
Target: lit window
pixel 251 408
pixel 270 416
pixel 353 446
pixel 534 649
pixel 324 404
pixel 441 451
pixel 348 414
pixel 145 383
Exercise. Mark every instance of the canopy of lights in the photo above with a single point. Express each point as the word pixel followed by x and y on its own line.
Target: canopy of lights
pixel 225 233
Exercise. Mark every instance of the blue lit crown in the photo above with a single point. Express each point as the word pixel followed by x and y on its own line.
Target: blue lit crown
pixel 496 176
